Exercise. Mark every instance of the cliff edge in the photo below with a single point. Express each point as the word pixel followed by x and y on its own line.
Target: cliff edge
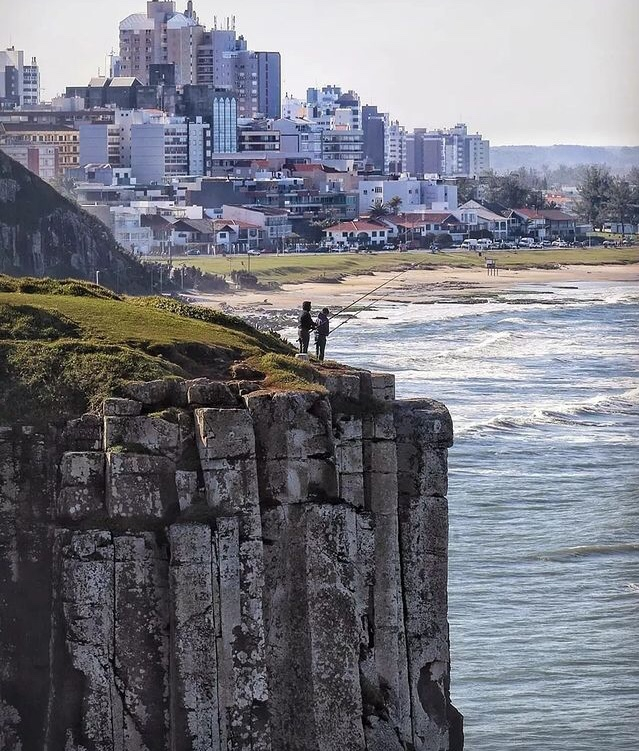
pixel 208 563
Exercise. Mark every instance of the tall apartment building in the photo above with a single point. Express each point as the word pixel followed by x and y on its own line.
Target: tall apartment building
pixel 269 84
pixel 395 158
pixel 375 127
pixel 164 39
pixel 155 147
pixel 19 83
pixel 451 152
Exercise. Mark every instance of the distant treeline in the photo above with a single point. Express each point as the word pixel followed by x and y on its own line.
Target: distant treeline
pixel 563 165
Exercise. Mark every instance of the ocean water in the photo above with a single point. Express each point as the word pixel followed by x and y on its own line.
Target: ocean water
pixel 543 387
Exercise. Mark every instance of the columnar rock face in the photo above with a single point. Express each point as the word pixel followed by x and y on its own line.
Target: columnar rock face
pixel 198 571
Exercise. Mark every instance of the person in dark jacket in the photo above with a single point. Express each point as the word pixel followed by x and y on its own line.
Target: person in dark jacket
pixel 322 328
pixel 305 326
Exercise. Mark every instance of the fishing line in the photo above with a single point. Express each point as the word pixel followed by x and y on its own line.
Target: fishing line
pixel 388 281
pixel 363 297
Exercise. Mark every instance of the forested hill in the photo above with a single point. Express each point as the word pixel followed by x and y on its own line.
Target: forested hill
pixel 42 233
pixel 508 158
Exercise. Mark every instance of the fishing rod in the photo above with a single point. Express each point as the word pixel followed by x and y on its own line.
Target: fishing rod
pixel 388 281
pixel 363 297
pixel 363 310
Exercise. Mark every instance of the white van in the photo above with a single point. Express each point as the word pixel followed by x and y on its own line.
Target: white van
pixel 470 244
pixel 484 243
pixel 526 242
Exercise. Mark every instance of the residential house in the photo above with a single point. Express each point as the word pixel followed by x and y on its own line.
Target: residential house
pixel 544 224
pixel 129 231
pixel 236 236
pixel 477 218
pixel 357 232
pixel 275 223
pixel 559 224
pixel 193 234
pixel 410 227
pixel 161 229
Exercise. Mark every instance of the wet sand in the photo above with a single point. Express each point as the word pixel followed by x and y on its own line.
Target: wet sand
pixel 412 286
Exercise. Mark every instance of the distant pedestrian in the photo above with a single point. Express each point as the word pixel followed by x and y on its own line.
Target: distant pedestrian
pixel 305 326
pixel 322 328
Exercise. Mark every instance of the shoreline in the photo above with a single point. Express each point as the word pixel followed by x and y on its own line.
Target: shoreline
pixel 412 286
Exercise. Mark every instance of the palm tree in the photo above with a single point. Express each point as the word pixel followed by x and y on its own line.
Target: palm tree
pixel 394 204
pixel 378 209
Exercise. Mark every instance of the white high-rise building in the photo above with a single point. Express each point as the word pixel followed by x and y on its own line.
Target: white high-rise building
pixel 395 149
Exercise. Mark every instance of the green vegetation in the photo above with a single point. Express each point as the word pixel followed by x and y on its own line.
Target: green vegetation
pixel 285 373
pixel 609 198
pixel 64 346
pixel 295 268
pixel 44 286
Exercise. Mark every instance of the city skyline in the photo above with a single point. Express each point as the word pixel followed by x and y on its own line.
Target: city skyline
pixel 572 84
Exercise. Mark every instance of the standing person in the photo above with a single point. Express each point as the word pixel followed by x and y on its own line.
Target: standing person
pixel 305 326
pixel 321 332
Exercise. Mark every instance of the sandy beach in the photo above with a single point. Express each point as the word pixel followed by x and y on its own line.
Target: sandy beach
pixel 412 286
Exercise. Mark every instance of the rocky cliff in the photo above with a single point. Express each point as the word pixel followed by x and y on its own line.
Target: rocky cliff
pixel 208 565
pixel 44 234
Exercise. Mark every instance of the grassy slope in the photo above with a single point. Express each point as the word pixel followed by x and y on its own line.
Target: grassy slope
pixel 293 268
pixel 61 353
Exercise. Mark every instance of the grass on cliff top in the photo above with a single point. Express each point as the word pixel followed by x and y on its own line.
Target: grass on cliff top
pixel 64 346
pixel 295 267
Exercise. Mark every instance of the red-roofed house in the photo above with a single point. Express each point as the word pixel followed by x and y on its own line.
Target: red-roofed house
pixel 358 232
pixel 544 224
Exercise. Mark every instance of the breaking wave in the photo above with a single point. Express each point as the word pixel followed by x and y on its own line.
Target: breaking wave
pixel 567 414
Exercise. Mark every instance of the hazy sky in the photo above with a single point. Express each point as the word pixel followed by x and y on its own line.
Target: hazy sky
pixel 518 71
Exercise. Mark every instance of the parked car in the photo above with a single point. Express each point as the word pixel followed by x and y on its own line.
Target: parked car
pixel 193 252
pixel 559 244
pixel 253 252
pixel 388 246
